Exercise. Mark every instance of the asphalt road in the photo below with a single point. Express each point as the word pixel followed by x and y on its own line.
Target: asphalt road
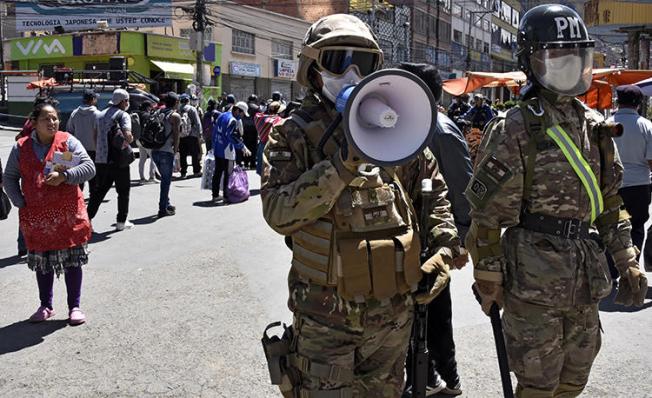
pixel 176 308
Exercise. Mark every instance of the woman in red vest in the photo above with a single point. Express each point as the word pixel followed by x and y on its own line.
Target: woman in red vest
pixel 42 179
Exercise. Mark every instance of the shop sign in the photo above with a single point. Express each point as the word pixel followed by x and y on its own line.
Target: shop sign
pixel 73 15
pixel 41 47
pixel 285 68
pixel 169 47
pixel 244 69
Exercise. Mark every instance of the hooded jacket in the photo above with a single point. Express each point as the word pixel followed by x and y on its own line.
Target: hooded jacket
pixel 83 125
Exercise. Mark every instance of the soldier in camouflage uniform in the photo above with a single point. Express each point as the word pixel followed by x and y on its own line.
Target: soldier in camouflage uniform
pixel 355 240
pixel 548 172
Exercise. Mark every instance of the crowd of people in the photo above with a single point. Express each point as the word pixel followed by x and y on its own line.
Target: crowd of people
pixel 354 235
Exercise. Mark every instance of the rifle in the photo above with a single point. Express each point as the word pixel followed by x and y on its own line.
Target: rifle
pixel 420 357
pixel 497 327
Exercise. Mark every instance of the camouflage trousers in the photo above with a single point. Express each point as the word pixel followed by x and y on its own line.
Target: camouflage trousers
pixel 347 348
pixel 550 349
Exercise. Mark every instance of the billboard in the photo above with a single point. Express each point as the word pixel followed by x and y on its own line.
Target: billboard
pixel 72 15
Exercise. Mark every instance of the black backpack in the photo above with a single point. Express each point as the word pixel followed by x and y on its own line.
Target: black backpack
pixel 120 152
pixel 152 132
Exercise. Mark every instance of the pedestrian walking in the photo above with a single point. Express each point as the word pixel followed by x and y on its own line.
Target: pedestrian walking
pixel 83 125
pixel 226 140
pixel 108 170
pixel 250 134
pixel 164 156
pixel 144 153
pixel 52 213
pixel 189 144
pixel 545 177
pixel 351 329
pixel 635 150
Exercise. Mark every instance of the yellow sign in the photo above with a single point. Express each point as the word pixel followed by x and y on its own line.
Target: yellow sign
pixel 610 12
pixel 169 47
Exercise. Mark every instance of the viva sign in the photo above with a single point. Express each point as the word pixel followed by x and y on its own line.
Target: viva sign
pixel 41 47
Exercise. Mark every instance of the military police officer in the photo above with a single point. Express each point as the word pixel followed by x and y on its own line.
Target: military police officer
pixel 548 172
pixel 355 241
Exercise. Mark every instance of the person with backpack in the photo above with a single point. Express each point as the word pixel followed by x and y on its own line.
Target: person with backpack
pixel 137 122
pixel 110 171
pixel 250 134
pixel 163 155
pixel 83 125
pixel 208 121
pixel 190 133
pixel 226 140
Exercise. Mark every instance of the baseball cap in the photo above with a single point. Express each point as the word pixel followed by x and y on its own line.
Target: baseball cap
pixel 184 97
pixel 119 95
pixel 629 94
pixel 243 107
pixel 230 99
pixel 89 94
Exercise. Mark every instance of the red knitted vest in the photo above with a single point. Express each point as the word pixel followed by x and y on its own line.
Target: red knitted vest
pixel 54 218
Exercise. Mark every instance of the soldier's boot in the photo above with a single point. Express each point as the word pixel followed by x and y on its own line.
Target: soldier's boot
pixel 568 391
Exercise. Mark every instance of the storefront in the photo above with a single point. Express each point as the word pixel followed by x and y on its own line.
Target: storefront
pixel 284 73
pixel 167 60
pixel 241 80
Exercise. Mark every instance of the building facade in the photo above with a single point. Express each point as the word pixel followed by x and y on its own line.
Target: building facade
pixel 504 26
pixel 471 40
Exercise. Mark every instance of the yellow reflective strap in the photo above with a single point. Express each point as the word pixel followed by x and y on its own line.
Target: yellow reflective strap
pixel 581 168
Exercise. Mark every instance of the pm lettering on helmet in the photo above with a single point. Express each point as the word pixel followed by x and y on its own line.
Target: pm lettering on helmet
pixel 564 23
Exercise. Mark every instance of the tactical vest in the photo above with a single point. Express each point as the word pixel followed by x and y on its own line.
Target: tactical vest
pixel 368 244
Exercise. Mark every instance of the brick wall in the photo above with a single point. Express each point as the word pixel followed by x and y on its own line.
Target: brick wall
pixel 309 10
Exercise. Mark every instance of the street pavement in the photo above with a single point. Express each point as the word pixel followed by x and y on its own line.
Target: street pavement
pixel 176 308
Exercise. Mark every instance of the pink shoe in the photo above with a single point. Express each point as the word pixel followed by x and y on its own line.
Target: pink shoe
pixel 77 317
pixel 42 314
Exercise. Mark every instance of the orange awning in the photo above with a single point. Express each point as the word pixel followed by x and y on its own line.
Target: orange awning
pixel 476 80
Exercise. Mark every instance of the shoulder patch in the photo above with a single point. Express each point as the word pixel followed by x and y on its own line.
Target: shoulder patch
pixel 280 155
pixel 496 169
pixel 479 189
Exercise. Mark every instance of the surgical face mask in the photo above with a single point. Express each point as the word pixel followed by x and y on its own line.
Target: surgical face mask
pixel 334 84
pixel 565 71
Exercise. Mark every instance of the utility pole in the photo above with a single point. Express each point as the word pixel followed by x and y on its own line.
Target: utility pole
pixel 2 53
pixel 199 25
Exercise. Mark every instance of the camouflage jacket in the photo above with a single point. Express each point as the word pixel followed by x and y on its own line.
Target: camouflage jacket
pixel 538 267
pixel 299 185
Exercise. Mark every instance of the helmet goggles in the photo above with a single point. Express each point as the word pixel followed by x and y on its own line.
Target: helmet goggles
pixel 338 59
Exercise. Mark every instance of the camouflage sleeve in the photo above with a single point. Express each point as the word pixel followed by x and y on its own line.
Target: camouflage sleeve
pixel 613 223
pixel 495 191
pixel 293 193
pixel 441 223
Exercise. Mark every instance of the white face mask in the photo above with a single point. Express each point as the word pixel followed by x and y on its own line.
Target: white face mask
pixel 334 84
pixel 568 74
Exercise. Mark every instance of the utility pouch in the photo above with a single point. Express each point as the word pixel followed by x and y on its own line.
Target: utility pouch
pixel 408 260
pixel 276 351
pixel 383 268
pixel 354 280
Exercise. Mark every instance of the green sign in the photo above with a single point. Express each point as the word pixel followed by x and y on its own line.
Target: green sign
pixel 169 47
pixel 41 47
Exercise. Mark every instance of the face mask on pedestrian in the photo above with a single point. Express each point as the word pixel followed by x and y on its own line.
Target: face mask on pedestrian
pixel 564 71
pixel 333 84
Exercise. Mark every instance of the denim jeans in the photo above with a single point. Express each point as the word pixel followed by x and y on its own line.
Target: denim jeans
pixel 164 162
pixel 259 158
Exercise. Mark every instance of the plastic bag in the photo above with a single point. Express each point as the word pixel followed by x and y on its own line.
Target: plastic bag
pixel 209 169
pixel 238 186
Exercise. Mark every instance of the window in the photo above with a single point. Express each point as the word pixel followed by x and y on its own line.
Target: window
pixel 243 42
pixel 516 18
pixel 478 45
pixel 281 49
pixel 457 10
pixel 420 21
pixel 485 25
pixel 444 32
pixel 486 48
pixel 386 46
pixel 419 52
pixel 457 36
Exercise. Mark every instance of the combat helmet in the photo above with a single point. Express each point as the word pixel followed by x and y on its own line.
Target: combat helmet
pixel 326 42
pixel 554 49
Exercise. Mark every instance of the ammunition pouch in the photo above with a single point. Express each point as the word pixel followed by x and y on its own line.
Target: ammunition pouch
pixel 366 246
pixel 490 246
pixel 277 351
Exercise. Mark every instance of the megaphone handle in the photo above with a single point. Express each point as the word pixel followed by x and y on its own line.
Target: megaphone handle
pixel 329 133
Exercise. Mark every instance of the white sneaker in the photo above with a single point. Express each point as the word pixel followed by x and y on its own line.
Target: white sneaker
pixel 121 226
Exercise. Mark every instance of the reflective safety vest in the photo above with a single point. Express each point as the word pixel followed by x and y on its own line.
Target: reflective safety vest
pixel 581 168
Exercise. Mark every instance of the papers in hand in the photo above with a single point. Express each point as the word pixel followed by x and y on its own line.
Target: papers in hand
pixel 61 161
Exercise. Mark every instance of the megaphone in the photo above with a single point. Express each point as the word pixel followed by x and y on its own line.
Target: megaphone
pixel 389 117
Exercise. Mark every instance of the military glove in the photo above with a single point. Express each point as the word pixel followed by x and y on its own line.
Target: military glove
pixel 460 261
pixel 633 283
pixel 437 267
pixel 490 292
